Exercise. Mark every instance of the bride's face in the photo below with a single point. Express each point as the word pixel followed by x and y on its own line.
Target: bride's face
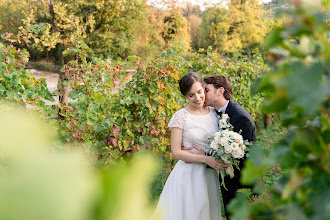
pixel 196 96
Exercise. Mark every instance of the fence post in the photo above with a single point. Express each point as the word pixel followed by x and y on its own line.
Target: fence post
pixel 63 97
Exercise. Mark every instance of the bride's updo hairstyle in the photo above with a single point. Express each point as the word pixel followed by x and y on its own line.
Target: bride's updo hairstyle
pixel 188 80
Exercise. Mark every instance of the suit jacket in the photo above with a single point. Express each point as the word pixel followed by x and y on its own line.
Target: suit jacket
pixel 241 120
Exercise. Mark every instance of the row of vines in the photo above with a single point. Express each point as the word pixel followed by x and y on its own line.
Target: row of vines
pixel 120 119
pixel 110 116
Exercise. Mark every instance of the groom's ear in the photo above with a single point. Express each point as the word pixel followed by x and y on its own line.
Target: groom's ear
pixel 220 91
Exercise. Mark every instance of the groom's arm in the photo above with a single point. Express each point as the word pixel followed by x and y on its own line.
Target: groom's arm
pixel 247 127
pixel 194 149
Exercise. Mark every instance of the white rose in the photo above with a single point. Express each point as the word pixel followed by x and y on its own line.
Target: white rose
pixel 241 152
pixel 224 141
pixel 224 116
pixel 217 136
pixel 237 153
pixel 237 136
pixel 231 134
pixel 240 142
pixel 214 145
pixel 225 134
pixel 228 149
pixel 243 146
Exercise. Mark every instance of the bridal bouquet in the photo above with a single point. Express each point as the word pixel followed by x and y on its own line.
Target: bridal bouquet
pixel 228 146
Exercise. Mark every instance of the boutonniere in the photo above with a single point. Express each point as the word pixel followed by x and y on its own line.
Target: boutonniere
pixel 224 121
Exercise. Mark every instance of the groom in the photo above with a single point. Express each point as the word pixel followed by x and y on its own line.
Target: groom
pixel 219 94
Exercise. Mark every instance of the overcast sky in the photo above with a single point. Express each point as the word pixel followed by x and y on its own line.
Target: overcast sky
pixel 203 2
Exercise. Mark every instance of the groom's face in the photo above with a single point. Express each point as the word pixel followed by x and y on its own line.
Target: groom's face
pixel 210 95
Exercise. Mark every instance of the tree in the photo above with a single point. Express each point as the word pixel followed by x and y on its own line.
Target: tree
pixel 193 14
pixel 149 38
pixel 214 28
pixel 176 28
pixel 12 12
pixel 110 27
pixel 116 27
pixel 240 25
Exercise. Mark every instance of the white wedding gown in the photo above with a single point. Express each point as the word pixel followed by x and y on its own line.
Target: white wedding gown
pixel 191 191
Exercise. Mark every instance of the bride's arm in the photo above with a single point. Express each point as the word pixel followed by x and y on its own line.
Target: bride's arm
pixel 179 154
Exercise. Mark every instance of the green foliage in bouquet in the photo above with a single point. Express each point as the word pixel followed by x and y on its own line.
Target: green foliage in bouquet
pixel 298 90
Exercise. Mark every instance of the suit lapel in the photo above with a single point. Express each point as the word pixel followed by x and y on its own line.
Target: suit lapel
pixel 229 109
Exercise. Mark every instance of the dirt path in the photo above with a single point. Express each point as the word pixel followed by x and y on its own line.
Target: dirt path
pixel 52 81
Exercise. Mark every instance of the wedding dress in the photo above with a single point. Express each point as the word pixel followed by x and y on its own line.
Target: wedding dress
pixel 191 191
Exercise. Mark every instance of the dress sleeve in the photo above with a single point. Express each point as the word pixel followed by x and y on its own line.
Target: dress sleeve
pixel 178 119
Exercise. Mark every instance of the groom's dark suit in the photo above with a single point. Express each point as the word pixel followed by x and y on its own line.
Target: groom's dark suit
pixel 241 120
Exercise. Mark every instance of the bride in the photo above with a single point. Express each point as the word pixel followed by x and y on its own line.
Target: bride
pixel 191 191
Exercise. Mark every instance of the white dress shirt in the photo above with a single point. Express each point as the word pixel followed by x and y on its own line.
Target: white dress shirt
pixel 223 109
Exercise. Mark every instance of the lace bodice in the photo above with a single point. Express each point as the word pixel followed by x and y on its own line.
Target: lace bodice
pixel 196 128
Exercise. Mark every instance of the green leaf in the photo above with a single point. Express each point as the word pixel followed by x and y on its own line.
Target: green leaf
pixel 311 87
pixel 294 212
pixel 274 38
pixel 320 203
pixel 239 203
pixel 251 173
pixel 2 90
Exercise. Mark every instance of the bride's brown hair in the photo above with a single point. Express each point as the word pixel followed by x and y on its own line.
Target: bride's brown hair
pixel 188 80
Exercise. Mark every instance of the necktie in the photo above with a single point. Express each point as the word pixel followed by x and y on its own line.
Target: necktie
pixel 219 113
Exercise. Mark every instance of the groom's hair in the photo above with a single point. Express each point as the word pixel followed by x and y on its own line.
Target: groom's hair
pixel 221 81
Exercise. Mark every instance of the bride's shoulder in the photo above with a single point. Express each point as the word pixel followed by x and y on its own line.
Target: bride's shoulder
pixel 181 113
pixel 179 118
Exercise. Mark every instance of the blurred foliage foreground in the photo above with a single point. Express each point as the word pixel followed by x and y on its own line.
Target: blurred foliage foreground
pixel 297 90
pixel 39 182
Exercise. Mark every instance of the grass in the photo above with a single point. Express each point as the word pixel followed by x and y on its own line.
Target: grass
pixel 44 66
pixel 270 136
pixel 157 184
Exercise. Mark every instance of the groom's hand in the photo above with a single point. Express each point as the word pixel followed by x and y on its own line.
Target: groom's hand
pixel 194 150
pixel 198 150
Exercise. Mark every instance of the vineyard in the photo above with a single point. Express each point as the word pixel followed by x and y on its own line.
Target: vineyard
pixel 109 150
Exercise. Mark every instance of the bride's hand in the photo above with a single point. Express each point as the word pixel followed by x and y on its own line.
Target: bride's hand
pixel 223 166
pixel 215 164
